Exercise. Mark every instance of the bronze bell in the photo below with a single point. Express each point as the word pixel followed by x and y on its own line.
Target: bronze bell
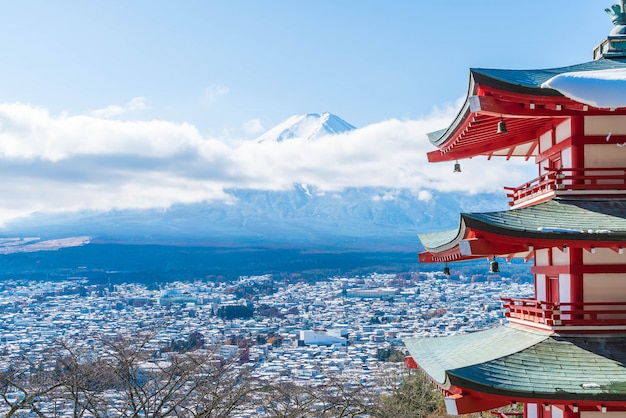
pixel 457 167
pixel 494 267
pixel 446 270
pixel 501 127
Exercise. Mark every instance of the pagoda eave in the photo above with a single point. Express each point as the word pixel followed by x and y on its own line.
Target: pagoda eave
pixel 463 401
pixel 527 114
pixel 516 233
pixel 504 245
pixel 474 248
pixel 483 391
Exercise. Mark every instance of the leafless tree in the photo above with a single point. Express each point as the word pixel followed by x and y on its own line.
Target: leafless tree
pixel 128 377
pixel 289 400
pixel 342 397
pixel 413 397
pixel 336 395
pixel 220 388
pixel 26 387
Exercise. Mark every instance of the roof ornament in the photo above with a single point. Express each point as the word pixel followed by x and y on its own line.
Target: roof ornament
pixel 614 45
pixel 617 13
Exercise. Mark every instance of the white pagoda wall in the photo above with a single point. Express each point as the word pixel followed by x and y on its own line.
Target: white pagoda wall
pixel 562 258
pixel 603 125
pixel 604 287
pixel 542 258
pixel 545 142
pixel 604 155
pixel 566 159
pixel 563 131
pixel 551 138
pixel 559 258
pixel 532 410
pixel 556 412
pixel 603 256
pixel 541 287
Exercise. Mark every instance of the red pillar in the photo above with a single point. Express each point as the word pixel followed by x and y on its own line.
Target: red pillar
pixel 578 151
pixel 578 162
pixel 576 279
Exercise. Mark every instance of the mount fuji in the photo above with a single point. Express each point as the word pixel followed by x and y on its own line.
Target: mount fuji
pixel 308 127
pixel 370 218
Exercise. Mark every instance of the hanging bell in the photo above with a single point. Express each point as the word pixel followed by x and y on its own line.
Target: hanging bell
pixel 501 127
pixel 493 266
pixel 446 270
pixel 457 167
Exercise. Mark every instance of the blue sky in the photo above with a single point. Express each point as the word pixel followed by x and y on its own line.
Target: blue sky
pixel 102 101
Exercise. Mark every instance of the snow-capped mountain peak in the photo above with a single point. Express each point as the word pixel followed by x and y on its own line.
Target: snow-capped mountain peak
pixel 309 126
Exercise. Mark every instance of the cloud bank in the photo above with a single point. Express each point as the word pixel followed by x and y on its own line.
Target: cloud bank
pixel 61 163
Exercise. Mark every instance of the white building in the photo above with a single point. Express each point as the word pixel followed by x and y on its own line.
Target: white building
pixel 317 338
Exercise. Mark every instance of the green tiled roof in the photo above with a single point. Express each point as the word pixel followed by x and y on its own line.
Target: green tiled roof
pixel 438 239
pixel 436 356
pixel 543 366
pixel 571 219
pixel 560 368
pixel 578 219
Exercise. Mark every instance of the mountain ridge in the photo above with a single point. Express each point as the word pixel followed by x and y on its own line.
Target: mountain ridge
pixel 363 218
pixel 354 218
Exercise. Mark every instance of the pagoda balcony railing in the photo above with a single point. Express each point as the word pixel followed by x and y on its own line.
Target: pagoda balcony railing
pixel 565 313
pixel 569 181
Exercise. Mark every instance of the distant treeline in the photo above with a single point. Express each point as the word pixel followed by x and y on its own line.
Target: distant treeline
pixel 118 263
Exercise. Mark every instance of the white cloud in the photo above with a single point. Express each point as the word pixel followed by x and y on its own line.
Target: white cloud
pixel 135 104
pixel 64 163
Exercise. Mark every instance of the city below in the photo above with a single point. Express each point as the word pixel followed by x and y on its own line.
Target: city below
pixel 288 330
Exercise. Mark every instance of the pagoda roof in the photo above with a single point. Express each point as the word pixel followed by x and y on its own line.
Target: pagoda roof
pixel 559 221
pixel 530 81
pixel 521 363
pixel 515 96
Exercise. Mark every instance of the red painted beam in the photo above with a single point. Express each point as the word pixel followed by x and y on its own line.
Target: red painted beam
pixel 483 247
pixel 578 269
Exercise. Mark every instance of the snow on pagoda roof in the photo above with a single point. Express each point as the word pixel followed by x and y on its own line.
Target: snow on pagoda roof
pixel 530 80
pixel 604 89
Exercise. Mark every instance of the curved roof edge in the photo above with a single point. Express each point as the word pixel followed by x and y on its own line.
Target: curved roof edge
pixel 437 355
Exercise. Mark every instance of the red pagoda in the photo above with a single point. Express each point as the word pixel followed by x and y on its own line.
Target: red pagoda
pixel 562 353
